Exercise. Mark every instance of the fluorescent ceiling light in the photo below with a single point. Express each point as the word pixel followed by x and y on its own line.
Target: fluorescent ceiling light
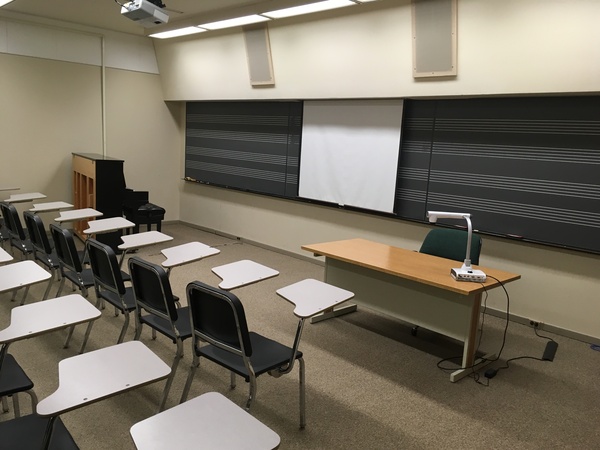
pixel 310 8
pixel 4 2
pixel 236 22
pixel 177 33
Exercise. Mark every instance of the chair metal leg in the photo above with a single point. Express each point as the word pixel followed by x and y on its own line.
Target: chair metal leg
pixel 60 286
pixel 232 380
pixel 124 329
pixel 48 288
pixel 190 378
pixel 34 399
pixel 138 329
pixel 302 384
pixel 4 405
pixel 85 337
pixel 24 296
pixel 178 356
pixel 71 329
pixel 17 409
pixel 252 394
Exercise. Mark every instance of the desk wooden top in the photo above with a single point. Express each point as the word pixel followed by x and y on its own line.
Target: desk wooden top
pixel 408 264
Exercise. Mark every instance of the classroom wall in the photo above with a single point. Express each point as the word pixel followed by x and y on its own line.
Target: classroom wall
pixel 70 90
pixel 504 47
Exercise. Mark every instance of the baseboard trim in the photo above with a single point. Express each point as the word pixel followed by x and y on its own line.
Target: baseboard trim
pixel 546 327
pixel 309 259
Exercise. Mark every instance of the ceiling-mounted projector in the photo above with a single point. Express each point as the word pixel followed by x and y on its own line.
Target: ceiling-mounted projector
pixel 145 12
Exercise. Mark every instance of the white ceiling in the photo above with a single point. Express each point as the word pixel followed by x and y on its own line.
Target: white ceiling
pixel 106 13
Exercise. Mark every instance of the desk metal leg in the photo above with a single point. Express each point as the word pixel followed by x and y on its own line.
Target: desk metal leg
pixel 469 361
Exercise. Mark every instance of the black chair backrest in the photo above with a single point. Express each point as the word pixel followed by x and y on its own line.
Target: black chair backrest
pixel 37 232
pixel 452 244
pixel 152 289
pixel 12 221
pixel 64 244
pixel 105 266
pixel 218 317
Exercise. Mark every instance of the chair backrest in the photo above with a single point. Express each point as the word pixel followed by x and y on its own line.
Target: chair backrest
pixel 152 289
pixel 64 244
pixel 218 318
pixel 12 221
pixel 105 267
pixel 37 233
pixel 452 244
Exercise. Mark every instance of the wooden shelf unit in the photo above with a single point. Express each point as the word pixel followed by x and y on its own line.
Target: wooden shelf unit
pixel 98 183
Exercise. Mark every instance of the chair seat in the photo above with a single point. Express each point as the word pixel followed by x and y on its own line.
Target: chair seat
pixel 163 326
pixel 267 355
pixel 27 432
pixel 87 277
pixel 115 300
pixel 13 378
pixel 49 260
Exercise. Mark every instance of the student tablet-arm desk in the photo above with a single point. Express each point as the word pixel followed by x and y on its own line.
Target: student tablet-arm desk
pixel 411 286
pixel 5 256
pixel 186 253
pixel 44 317
pixel 23 273
pixel 241 273
pixel 97 375
pixel 108 225
pixel 209 421
pixel 77 214
pixel 140 240
pixel 26 197
pixel 49 207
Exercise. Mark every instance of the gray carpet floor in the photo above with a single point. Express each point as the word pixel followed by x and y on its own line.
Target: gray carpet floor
pixel 370 383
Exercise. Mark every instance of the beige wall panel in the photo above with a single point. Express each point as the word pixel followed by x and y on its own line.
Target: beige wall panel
pixel 49 109
pixel 514 46
pixel 143 130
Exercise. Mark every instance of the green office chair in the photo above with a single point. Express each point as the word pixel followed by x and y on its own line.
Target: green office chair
pixel 451 244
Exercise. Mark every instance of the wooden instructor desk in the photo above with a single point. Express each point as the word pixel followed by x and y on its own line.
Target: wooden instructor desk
pixel 411 286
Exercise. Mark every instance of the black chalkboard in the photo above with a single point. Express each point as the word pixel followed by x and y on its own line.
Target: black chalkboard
pixel 525 167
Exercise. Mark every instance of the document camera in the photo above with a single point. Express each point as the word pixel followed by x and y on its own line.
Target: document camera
pixel 147 13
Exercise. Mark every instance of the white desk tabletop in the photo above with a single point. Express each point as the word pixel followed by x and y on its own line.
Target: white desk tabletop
pixel 77 214
pixel 21 273
pixel 241 273
pixel 26 197
pixel 43 317
pixel 94 376
pixel 209 421
pixel 312 297
pixel 99 226
pixel 5 256
pixel 9 188
pixel 50 206
pixel 139 240
pixel 187 253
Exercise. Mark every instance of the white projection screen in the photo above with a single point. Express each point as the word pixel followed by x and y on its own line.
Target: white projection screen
pixel 350 151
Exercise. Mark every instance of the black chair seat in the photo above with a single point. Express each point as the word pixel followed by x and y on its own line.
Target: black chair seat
pixel 115 300
pixel 27 433
pixel 267 355
pixel 84 278
pixel 13 378
pixel 165 327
